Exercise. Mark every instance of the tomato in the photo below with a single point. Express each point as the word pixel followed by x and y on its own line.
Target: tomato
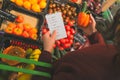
pixel 19 25
pixel 62 41
pixel 25 34
pixel 71 41
pixel 60 47
pixel 70 23
pixel 57 42
pixel 66 40
pixel 8 29
pixel 17 31
pixel 54 46
pixel 74 1
pixel 70 36
pixel 44 30
pixel 72 31
pixel 19 19
pixel 67 27
pixel 68 33
pixel 67 45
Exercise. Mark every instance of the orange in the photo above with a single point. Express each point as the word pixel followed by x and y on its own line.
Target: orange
pixel 33 1
pixel 27 5
pixel 19 2
pixel 42 4
pixel 36 8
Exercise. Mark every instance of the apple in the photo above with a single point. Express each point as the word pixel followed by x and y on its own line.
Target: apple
pixel 17 31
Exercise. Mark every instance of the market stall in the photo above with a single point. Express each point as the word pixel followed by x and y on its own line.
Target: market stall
pixel 23 22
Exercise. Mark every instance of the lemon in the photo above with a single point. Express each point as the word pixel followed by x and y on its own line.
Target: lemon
pixel 36 8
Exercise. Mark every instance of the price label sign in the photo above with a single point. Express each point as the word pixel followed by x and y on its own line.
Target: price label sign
pixel 55 22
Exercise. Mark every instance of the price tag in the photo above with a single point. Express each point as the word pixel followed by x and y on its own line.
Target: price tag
pixel 55 22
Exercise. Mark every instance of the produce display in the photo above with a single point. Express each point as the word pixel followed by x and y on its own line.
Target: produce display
pixel 22 29
pixel 67 42
pixel 21 39
pixel 34 5
pixel 69 12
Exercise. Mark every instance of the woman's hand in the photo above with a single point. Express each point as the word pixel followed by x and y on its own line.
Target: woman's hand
pixel 91 27
pixel 49 41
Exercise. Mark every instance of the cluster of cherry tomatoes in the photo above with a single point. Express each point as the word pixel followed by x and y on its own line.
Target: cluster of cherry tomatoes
pixel 64 43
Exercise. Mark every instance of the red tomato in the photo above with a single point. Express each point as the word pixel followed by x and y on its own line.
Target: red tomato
pixel 68 33
pixel 60 47
pixel 66 40
pixel 71 41
pixel 70 36
pixel 72 31
pixel 54 46
pixel 19 19
pixel 44 30
pixel 57 42
pixel 62 41
pixel 74 1
pixel 67 27
pixel 67 45
pixel 70 23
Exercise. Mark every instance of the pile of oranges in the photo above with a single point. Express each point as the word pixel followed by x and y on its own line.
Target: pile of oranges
pixel 34 5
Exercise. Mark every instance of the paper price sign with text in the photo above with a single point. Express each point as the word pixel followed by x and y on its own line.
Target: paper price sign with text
pixel 55 22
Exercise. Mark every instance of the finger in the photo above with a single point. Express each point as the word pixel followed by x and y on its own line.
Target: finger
pixel 53 34
pixel 47 34
pixel 92 18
